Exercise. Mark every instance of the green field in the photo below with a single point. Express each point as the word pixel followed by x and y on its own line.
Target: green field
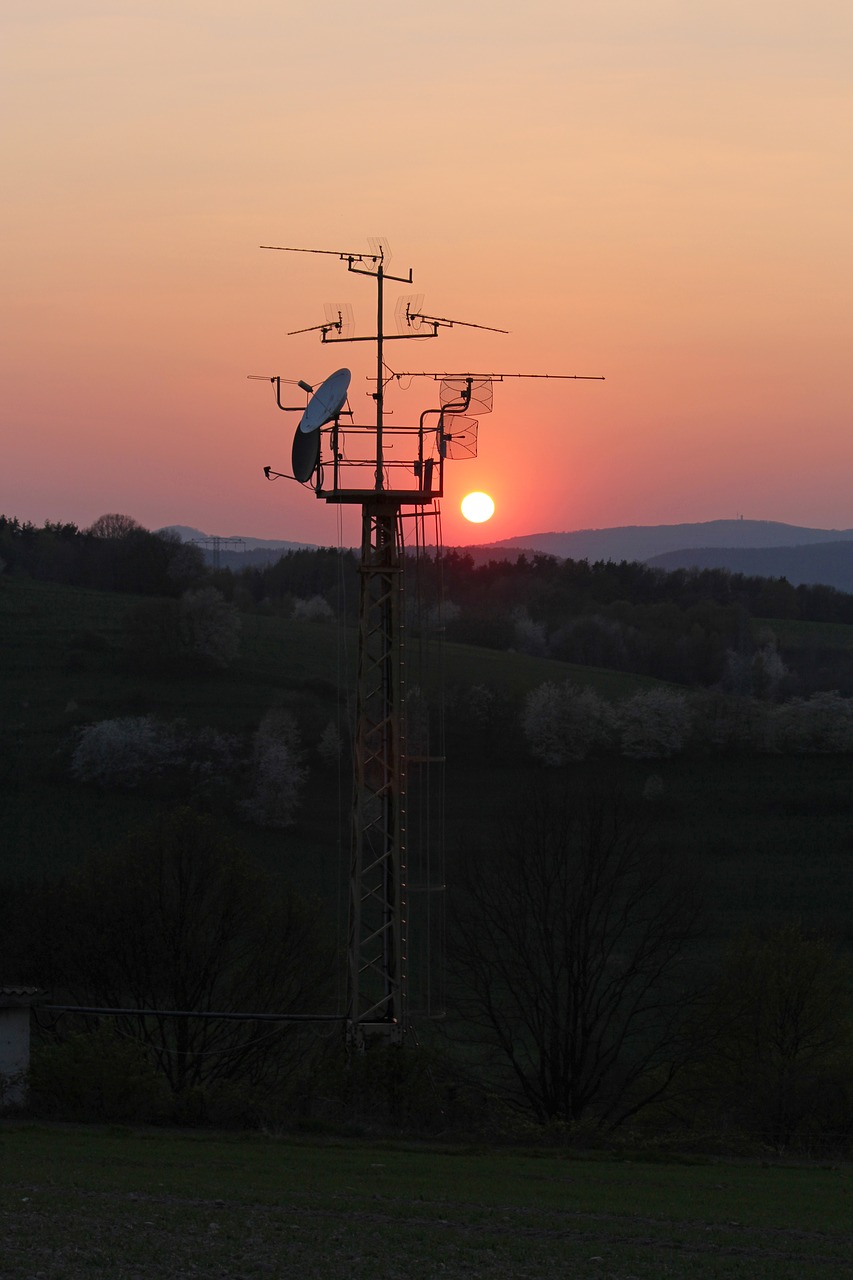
pixel 794 634
pixel 63 667
pixel 769 837
pixel 89 1203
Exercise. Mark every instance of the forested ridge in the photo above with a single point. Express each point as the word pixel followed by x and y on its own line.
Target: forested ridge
pixel 678 626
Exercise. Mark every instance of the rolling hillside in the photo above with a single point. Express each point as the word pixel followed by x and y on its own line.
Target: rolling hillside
pixel 64 667
pixel 768 836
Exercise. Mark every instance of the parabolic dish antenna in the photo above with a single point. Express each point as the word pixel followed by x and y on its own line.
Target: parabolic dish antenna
pixel 305 455
pixel 326 402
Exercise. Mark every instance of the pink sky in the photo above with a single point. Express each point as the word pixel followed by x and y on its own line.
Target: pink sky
pixel 656 191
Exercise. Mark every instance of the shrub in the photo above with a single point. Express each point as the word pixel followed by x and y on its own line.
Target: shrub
pixel 199 631
pixel 779 1039
pixel 97 1076
pixel 210 626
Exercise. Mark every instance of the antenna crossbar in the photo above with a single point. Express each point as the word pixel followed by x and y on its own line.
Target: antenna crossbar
pixel 500 377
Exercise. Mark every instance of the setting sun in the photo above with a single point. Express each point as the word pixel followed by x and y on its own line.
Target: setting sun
pixel 477 507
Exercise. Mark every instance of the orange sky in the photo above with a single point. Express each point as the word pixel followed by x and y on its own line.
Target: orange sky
pixel 657 191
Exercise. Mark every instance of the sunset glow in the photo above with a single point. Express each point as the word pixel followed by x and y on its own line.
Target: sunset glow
pixel 655 193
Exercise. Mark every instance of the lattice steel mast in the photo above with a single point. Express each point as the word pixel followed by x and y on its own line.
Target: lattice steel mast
pixel 383 485
pixel 377 977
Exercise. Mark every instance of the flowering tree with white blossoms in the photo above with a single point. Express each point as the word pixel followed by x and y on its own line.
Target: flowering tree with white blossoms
pixel 315 609
pixel 565 722
pixel 330 747
pixel 133 750
pixel 821 724
pixel 124 752
pixel 277 772
pixel 654 724
pixel 529 635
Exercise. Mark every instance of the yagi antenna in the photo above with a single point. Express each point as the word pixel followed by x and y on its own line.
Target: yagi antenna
pixel 289 382
pixel 414 318
pixel 377 256
pixel 405 309
pixel 500 377
pixel 338 320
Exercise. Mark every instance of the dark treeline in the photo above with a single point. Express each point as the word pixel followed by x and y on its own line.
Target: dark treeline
pixel 550 587
pixel 113 554
pixel 297 575
pixel 680 626
pixel 116 553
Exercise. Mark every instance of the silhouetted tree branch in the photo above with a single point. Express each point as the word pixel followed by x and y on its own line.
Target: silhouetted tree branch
pixel 176 918
pixel 568 953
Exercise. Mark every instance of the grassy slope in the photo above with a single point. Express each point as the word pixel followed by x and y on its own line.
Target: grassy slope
pixel 793 634
pixel 62 669
pixel 121 1204
pixel 769 836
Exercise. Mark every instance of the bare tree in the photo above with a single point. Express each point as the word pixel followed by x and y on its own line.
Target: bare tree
pixel 177 918
pixel 570 938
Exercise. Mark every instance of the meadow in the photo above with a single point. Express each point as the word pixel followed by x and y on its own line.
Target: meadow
pixel 769 837
pixel 119 1203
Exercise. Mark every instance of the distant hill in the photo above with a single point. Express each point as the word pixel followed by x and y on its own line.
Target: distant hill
pixel 187 534
pixel 829 563
pixel 764 548
pixel 236 551
pixel 642 542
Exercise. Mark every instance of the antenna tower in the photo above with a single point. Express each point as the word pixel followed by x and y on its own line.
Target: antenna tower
pixel 386 469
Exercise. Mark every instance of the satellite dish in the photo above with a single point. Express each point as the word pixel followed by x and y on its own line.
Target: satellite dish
pixel 326 402
pixel 306 454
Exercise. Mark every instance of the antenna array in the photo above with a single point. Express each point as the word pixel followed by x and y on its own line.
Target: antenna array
pixel 384 467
